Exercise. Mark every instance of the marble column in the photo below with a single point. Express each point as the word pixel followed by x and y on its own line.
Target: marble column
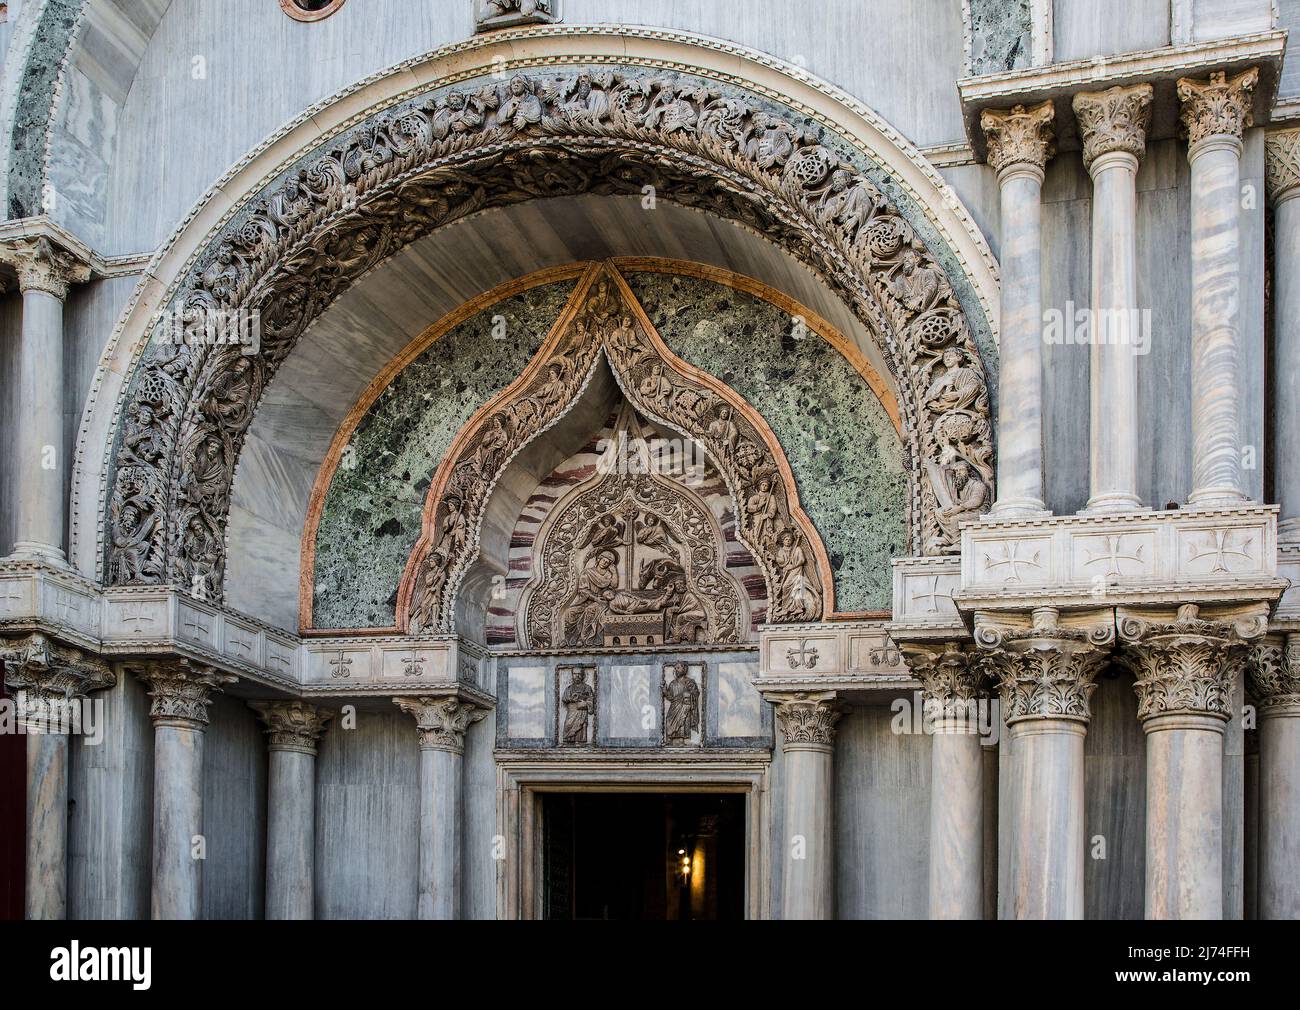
pixel 38 447
pixel 1214 112
pixel 442 723
pixel 807 721
pixel 1282 164
pixel 293 728
pixel 1113 126
pixel 49 681
pixel 950 682
pixel 1046 673
pixel 1274 672
pixel 181 691
pixel 1185 672
pixel 1020 142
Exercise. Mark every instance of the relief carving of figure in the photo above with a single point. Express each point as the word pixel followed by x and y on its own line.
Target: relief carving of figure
pixel 958 387
pixel 961 494
pixel 916 283
pixel 521 108
pixel 583 102
pixel 460 114
pixel 579 700
pixel 799 599
pixel 761 510
pixel 682 697
pixel 724 433
pixel 597 586
pixel 850 201
pixel 656 386
pixel 132 533
pixel 607 531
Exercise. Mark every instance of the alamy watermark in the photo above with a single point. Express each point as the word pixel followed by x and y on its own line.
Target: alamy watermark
pixel 36 713
pixel 1079 324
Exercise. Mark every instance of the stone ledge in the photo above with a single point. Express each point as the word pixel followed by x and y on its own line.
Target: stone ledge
pixel 1059 82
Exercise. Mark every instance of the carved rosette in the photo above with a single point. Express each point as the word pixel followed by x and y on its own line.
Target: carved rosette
pixel 1185 666
pixel 604 316
pixel 45 675
pixel 397 176
pixel 1216 106
pixel 1273 672
pixel 1019 136
pixel 181 690
pixel 442 721
pixel 951 674
pixel 1282 164
pixel 43 266
pixel 1113 120
pixel 1046 671
pixel 807 717
pixel 292 725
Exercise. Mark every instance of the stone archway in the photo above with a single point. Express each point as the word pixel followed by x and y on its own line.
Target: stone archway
pixel 447 152
pixel 604 322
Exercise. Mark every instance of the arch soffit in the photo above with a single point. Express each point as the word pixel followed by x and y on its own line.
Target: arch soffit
pixel 228 206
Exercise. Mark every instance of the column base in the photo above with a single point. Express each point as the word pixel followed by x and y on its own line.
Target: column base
pixel 1020 508
pixel 31 550
pixel 1217 497
pixel 1114 501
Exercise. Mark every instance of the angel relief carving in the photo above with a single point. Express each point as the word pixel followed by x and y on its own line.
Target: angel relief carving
pixel 634 559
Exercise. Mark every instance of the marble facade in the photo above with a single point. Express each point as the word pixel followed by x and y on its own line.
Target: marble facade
pixel 962 595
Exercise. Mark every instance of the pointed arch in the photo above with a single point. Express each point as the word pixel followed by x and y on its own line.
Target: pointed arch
pixel 603 321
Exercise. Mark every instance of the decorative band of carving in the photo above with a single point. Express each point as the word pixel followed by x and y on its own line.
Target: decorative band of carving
pixel 951 673
pixel 1282 163
pixel 181 690
pixel 1273 673
pixel 1216 106
pixel 807 717
pixel 441 721
pixel 1019 136
pixel 397 177
pixel 43 266
pixel 1113 120
pixel 1046 671
pixel 292 725
pixel 1185 666
pixel 46 674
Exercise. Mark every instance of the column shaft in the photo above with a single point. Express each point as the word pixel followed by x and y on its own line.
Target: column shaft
pixel 1282 159
pixel 291 835
pixel 956 823
pixel 38 445
pixel 47 825
pixel 1279 814
pixel 809 891
pixel 440 819
pixel 177 822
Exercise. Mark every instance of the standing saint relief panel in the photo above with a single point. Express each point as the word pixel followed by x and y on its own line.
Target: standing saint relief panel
pixel 633 558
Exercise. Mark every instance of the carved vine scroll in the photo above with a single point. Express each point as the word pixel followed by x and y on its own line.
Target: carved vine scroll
pixel 603 316
pixel 398 175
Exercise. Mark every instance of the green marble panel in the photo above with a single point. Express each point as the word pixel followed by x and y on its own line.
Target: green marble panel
pixel 847 459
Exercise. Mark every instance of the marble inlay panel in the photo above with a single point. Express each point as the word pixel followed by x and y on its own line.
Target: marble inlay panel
pixel 629 704
pixel 740 706
pixel 526 716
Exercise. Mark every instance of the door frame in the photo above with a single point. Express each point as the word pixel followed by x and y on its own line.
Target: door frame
pixel 522 779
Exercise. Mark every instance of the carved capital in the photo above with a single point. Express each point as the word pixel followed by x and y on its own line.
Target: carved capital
pixel 1019 136
pixel 807 717
pixel 1282 164
pixel 442 721
pixel 181 690
pixel 43 266
pixel 1185 666
pixel 1113 120
pixel 45 675
pixel 951 674
pixel 1046 671
pixel 1273 672
pixel 1216 106
pixel 292 725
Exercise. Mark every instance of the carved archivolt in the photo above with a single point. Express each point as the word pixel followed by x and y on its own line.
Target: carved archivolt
pixel 604 318
pixel 396 177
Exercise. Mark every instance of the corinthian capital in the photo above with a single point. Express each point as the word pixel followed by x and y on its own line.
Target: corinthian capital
pixel 1217 106
pixel 1274 675
pixel 43 266
pixel 1282 164
pixel 181 690
pixel 45 675
pixel 292 725
pixel 807 717
pixel 442 721
pixel 1019 136
pixel 951 673
pixel 1113 120
pixel 1185 666
pixel 1045 671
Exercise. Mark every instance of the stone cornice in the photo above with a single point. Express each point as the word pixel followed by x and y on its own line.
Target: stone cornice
pixel 181 690
pixel 1188 665
pixel 292 725
pixel 1113 121
pixel 442 720
pixel 1019 136
pixel 1059 82
pixel 807 717
pixel 1217 106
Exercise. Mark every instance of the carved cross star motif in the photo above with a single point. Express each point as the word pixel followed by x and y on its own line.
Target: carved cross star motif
pixel 932 595
pixel 1218 545
pixel 1113 555
pixel 1012 560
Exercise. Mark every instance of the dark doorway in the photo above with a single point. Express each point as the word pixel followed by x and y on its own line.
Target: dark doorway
pixel 643 855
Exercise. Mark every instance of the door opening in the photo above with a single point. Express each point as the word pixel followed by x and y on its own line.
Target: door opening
pixel 643 855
